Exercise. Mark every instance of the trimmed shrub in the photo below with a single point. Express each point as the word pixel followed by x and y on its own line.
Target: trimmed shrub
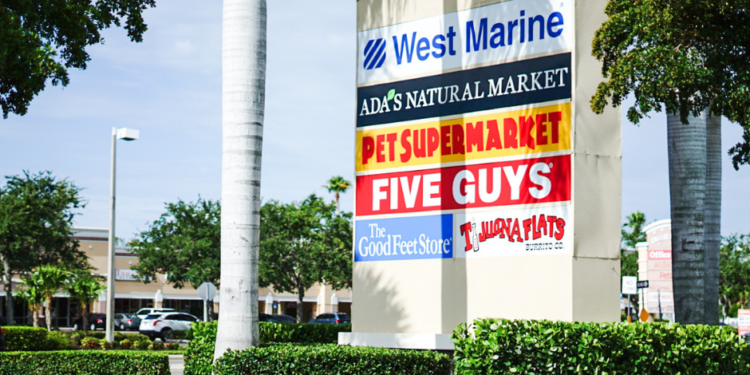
pixel 172 346
pixel 90 342
pixel 104 344
pixel 138 337
pixel 200 351
pixel 25 338
pixel 84 363
pixel 157 346
pixel 499 346
pixel 57 340
pixel 75 339
pixel 126 344
pixel 143 345
pixel 326 359
pixel 302 333
pixel 182 335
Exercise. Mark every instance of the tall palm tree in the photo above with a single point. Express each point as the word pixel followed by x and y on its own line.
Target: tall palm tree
pixel 85 288
pixel 695 197
pixel 243 98
pixel 31 293
pixel 50 279
pixel 337 185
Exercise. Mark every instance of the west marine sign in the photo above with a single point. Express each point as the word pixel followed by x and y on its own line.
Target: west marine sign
pixel 474 37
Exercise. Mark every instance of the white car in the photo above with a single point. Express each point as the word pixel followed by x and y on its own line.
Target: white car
pixel 151 310
pixel 162 324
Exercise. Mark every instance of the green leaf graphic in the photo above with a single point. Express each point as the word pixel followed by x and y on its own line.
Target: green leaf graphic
pixel 391 94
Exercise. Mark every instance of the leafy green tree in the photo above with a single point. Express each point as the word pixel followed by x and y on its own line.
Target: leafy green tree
pixel 301 244
pixel 689 58
pixel 36 216
pixel 50 279
pixel 31 293
pixel 184 243
pixel 41 39
pixel 337 185
pixel 85 288
pixel 636 221
pixel 735 272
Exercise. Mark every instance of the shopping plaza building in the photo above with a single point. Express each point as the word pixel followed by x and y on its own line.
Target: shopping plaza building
pixel 132 294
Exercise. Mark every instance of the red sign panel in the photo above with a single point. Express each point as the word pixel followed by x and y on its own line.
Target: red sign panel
pixel 527 181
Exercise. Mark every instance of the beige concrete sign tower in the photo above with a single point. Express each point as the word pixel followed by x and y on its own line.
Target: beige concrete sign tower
pixel 485 186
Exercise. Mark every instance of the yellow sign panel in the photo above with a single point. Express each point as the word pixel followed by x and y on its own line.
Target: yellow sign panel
pixel 520 132
pixel 644 315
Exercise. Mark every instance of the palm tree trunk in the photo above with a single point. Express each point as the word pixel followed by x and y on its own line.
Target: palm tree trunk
pixel 712 239
pixel 8 290
pixel 48 314
pixel 300 304
pixel 34 315
pixel 687 188
pixel 243 98
pixel 85 317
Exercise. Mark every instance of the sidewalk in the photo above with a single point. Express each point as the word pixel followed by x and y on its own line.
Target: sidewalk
pixel 176 364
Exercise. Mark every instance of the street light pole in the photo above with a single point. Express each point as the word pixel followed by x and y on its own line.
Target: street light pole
pixel 128 135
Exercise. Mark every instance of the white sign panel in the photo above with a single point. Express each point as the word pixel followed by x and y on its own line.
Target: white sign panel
pixel 479 36
pixel 528 231
pixel 126 275
pixel 629 285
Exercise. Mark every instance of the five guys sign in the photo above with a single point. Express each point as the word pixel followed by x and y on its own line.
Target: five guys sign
pixel 463 144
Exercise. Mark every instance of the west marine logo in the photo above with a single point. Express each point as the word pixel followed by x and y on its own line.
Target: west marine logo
pixel 374 54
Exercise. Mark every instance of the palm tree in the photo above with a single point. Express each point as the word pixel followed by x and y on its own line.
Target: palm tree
pixel 31 293
pixel 695 198
pixel 337 185
pixel 50 279
pixel 85 288
pixel 243 98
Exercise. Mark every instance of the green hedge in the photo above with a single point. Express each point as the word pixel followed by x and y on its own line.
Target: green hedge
pixel 200 351
pixel 25 338
pixel 324 359
pixel 497 346
pixel 84 363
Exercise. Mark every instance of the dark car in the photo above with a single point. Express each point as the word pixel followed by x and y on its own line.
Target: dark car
pixel 96 321
pixel 285 319
pixel 129 322
pixel 2 340
pixel 332 318
pixel 267 318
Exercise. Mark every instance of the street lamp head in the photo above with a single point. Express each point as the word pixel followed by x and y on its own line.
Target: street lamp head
pixel 127 134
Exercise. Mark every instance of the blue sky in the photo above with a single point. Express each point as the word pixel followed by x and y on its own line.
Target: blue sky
pixel 169 87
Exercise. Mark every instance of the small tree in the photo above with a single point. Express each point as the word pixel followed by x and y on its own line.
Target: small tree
pixel 185 243
pixel 734 285
pixel 85 287
pixel 31 293
pixel 300 246
pixel 50 279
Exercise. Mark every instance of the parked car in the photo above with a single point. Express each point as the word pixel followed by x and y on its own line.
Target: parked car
pixel 285 319
pixel 130 322
pixel 96 321
pixel 141 314
pixel 267 318
pixel 2 340
pixel 162 324
pixel 332 318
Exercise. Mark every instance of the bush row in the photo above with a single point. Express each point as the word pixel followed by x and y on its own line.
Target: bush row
pixel 498 346
pixel 35 339
pixel 323 359
pixel 200 351
pixel 84 363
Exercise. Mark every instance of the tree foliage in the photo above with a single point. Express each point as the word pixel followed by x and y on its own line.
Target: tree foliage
pixel 682 56
pixel 41 39
pixel 302 244
pixel 31 293
pixel 184 243
pixel 337 185
pixel 50 279
pixel 628 257
pixel 734 286
pixel 36 216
